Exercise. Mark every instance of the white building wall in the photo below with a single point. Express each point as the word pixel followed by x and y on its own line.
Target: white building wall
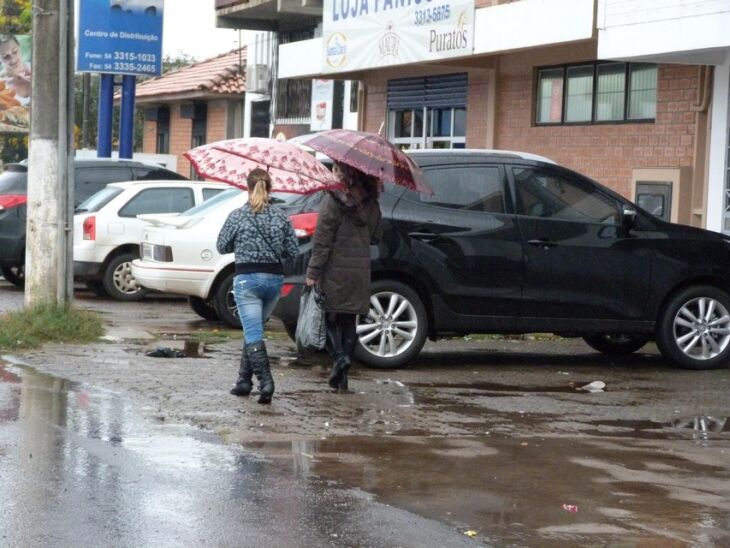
pixel 717 183
pixel 532 23
pixel 681 31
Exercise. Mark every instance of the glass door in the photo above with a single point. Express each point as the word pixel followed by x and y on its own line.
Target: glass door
pixel 427 127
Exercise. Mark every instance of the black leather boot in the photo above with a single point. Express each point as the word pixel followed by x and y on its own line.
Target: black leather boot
pixel 245 373
pixel 259 360
pixel 340 360
pixel 349 340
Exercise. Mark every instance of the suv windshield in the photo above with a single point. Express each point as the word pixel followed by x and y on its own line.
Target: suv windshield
pixel 96 201
pixel 14 180
pixel 212 203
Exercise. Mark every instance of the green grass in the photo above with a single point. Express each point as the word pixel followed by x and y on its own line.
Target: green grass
pixel 32 327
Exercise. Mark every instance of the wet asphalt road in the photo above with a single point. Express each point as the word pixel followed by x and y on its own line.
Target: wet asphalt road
pixel 478 435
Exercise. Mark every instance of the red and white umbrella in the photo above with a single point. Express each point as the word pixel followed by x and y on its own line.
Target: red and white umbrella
pixel 291 167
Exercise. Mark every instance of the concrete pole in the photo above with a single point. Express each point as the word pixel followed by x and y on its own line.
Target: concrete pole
pixel 49 240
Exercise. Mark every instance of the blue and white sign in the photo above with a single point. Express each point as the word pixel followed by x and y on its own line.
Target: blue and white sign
pixel 364 34
pixel 120 37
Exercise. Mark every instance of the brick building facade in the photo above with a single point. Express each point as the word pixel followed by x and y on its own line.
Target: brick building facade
pixel 198 104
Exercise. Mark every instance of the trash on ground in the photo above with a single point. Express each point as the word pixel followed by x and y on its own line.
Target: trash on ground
pixel 470 533
pixel 389 381
pixel 165 352
pixel 570 508
pixel 595 386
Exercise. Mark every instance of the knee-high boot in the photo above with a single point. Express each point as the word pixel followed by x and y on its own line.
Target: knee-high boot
pixel 259 359
pixel 245 373
pixel 349 340
pixel 340 360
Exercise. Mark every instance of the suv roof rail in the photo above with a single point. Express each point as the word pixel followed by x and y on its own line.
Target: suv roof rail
pixel 493 152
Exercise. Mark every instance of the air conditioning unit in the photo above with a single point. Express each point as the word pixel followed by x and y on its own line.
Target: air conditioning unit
pixel 258 77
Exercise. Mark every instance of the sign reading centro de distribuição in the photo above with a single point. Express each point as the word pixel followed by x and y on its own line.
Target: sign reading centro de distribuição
pixel 120 37
pixel 402 31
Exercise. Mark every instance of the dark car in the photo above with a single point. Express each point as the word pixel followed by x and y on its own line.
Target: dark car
pixel 513 243
pixel 90 176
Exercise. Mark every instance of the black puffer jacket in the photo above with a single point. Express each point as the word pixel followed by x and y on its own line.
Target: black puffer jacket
pixel 340 260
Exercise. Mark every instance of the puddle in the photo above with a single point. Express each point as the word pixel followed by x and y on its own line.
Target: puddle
pixel 698 427
pixel 570 387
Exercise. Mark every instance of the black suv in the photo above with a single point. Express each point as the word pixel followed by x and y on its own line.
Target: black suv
pixel 513 243
pixel 90 176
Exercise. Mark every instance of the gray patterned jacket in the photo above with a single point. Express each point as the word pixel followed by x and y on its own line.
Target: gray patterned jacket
pixel 258 238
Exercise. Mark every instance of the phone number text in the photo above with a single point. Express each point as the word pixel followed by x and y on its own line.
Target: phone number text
pixel 432 15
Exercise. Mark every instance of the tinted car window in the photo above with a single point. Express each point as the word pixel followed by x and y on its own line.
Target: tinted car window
pixel 14 181
pixel 214 202
pixel 475 188
pixel 90 180
pixel 99 200
pixel 158 200
pixel 208 193
pixel 542 193
pixel 155 174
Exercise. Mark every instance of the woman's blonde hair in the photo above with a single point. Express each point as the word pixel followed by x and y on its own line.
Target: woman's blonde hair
pixel 259 186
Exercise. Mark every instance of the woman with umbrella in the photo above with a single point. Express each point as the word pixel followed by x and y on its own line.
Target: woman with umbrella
pixel 349 221
pixel 260 236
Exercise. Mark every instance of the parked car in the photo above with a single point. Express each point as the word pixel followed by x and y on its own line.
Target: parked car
pixel 178 255
pixel 107 231
pixel 513 243
pixel 90 176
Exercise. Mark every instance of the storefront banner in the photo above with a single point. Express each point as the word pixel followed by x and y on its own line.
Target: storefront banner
pixel 15 78
pixel 322 101
pixel 364 34
pixel 120 37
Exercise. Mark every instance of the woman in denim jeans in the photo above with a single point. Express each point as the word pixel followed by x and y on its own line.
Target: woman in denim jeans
pixel 261 237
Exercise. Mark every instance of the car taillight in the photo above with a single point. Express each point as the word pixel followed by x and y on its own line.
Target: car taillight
pixel 90 228
pixel 12 200
pixel 286 289
pixel 304 224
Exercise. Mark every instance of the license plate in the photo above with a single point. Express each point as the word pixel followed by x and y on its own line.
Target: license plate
pixel 147 251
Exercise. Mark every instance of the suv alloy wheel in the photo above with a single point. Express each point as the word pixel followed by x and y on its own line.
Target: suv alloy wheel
pixel 694 328
pixel 394 330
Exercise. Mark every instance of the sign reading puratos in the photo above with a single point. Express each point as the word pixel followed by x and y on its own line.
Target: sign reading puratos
pixel 361 34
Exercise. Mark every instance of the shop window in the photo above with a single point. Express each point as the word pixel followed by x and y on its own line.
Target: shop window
pixel 608 92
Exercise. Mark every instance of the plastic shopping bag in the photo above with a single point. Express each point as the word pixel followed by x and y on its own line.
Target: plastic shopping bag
pixel 311 330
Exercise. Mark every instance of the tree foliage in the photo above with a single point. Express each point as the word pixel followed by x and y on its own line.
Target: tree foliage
pixel 16 16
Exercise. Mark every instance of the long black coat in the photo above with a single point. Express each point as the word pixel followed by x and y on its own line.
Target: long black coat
pixel 340 260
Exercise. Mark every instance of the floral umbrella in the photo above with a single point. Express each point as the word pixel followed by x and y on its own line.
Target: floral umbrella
pixel 291 167
pixel 371 154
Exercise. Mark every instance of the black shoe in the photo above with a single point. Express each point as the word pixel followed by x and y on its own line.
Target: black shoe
pixel 243 385
pixel 259 360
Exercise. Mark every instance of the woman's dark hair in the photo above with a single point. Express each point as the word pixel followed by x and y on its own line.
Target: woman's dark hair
pixel 259 186
pixel 369 183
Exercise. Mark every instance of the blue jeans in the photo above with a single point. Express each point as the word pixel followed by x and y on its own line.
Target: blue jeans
pixel 256 295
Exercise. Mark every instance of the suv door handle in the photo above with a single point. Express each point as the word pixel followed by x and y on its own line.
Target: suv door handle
pixel 542 242
pixel 425 236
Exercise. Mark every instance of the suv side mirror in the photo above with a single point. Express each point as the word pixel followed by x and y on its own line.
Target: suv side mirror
pixel 628 217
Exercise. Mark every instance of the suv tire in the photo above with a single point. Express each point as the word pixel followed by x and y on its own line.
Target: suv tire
pixel 694 328
pixel 620 345
pixel 203 309
pixel 118 280
pixel 224 303
pixel 96 287
pixel 15 274
pixel 377 336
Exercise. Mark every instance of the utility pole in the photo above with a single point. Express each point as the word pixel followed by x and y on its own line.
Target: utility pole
pixel 49 241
